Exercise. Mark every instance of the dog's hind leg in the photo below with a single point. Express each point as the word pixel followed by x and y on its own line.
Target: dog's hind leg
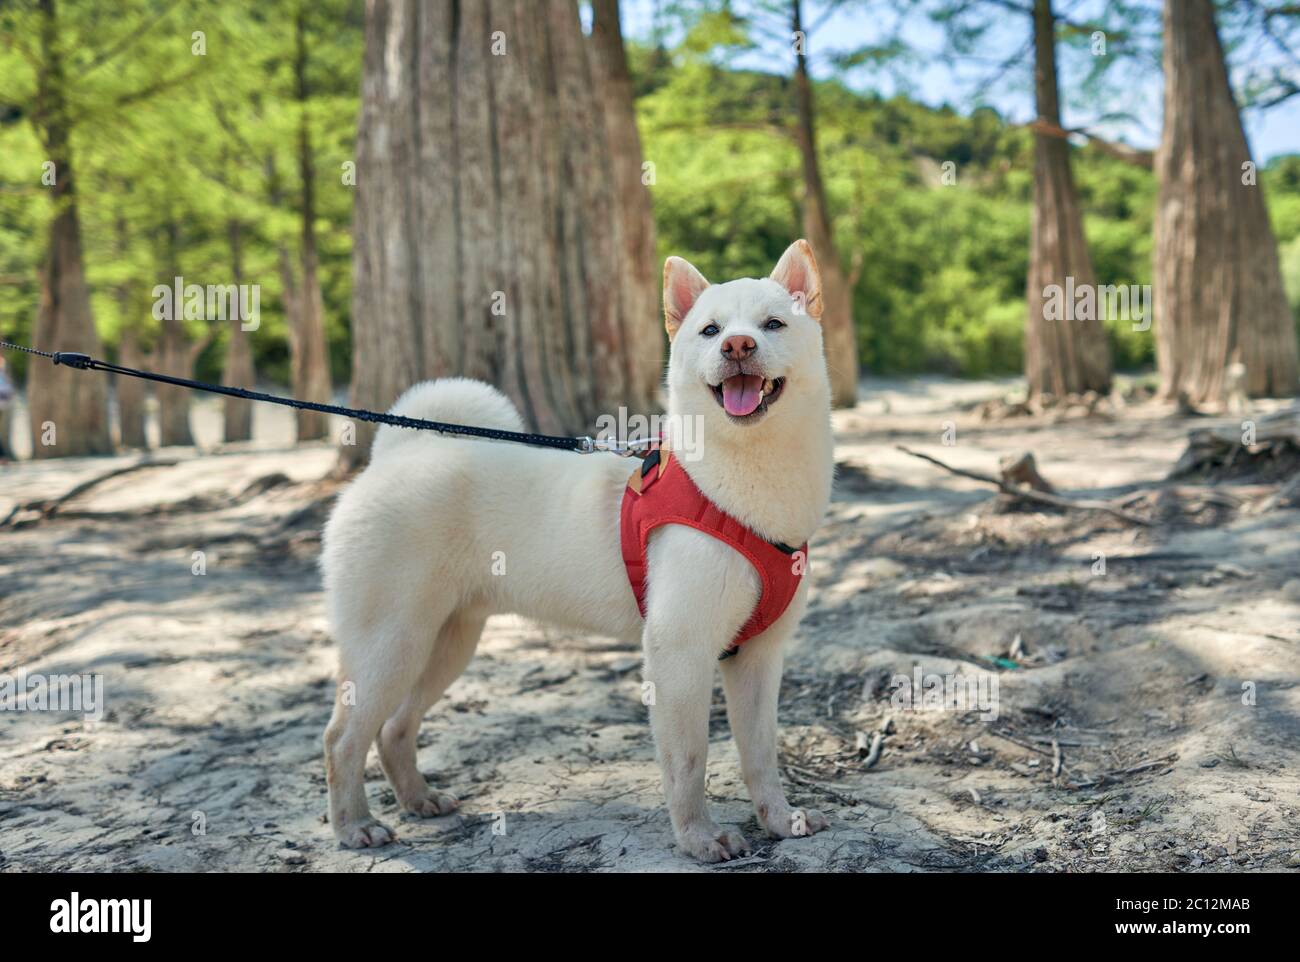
pixel 397 739
pixel 373 682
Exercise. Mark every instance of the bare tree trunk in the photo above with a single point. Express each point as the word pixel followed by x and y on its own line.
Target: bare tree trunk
pixel 130 391
pixel 6 425
pixel 1069 354
pixel 487 238
pixel 309 359
pixel 837 296
pixel 174 355
pixel 642 333
pixel 237 415
pixel 68 409
pixel 1218 287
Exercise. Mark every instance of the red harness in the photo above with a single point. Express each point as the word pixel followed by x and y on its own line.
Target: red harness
pixel 660 493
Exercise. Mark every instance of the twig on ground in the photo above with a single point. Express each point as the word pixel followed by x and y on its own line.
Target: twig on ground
pixel 1029 494
pixel 1118 773
pixel 873 753
pixel 801 776
pixel 48 507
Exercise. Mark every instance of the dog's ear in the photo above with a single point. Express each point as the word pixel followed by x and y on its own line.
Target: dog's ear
pixel 797 272
pixel 683 285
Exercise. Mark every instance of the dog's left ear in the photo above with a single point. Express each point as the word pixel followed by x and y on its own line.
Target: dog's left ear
pixel 797 272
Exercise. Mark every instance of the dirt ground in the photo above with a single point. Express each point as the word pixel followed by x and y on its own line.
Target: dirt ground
pixel 1148 717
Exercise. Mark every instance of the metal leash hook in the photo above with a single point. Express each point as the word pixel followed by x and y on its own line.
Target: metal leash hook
pixel 624 449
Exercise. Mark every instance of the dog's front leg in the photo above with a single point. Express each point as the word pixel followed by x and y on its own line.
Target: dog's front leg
pixel 699 593
pixel 679 669
pixel 752 681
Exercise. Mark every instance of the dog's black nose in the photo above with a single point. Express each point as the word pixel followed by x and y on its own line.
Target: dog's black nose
pixel 738 347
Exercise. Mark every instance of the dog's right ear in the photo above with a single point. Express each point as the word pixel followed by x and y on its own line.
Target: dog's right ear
pixel 683 285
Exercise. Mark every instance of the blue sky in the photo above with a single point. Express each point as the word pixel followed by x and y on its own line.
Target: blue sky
pixel 935 79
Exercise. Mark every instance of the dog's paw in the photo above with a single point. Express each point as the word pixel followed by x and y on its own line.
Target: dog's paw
pixel 708 842
pixel 433 804
pixel 794 822
pixel 364 834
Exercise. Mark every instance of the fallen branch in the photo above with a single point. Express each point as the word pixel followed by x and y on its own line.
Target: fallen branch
pixel 1118 773
pixel 1029 494
pixel 46 508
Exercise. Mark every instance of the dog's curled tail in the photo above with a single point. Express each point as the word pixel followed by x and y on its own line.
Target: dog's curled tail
pixel 452 400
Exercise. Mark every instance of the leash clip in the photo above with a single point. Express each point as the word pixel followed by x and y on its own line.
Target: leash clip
pixel 636 448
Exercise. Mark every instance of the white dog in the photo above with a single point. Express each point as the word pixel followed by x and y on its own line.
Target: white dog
pixel 409 554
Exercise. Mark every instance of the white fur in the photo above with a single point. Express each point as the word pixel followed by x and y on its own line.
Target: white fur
pixel 414 549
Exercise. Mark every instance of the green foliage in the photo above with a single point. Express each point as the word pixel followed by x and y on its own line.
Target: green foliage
pixel 175 137
pixel 170 148
pixel 941 265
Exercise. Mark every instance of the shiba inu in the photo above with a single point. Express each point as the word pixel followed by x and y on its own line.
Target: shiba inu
pixel 409 549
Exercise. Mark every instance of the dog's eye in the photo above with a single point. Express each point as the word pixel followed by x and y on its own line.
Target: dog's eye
pixel 710 330
pixel 773 324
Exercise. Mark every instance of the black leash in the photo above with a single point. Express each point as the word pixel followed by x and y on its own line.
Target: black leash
pixel 582 445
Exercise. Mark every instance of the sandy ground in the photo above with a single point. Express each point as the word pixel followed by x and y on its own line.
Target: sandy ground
pixel 1168 683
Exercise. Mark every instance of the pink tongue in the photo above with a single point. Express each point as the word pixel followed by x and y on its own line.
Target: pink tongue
pixel 741 394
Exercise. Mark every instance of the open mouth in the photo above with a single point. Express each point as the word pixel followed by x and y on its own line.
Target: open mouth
pixel 747 397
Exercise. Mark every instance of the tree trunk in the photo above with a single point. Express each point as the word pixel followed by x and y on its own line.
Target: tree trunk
pixel 309 357
pixel 640 308
pixel 838 332
pixel 68 409
pixel 1066 354
pixel 237 415
pixel 175 356
pixel 130 391
pixel 487 239
pixel 1218 287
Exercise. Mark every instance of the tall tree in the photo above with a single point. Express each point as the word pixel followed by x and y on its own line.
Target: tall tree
pixel 130 391
pixel 636 225
pixel 780 27
pixel 1070 354
pixel 1218 292
pixel 236 414
pixel 74 405
pixel 1066 346
pixel 837 294
pixel 176 351
pixel 79 77
pixel 309 351
pixel 487 225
